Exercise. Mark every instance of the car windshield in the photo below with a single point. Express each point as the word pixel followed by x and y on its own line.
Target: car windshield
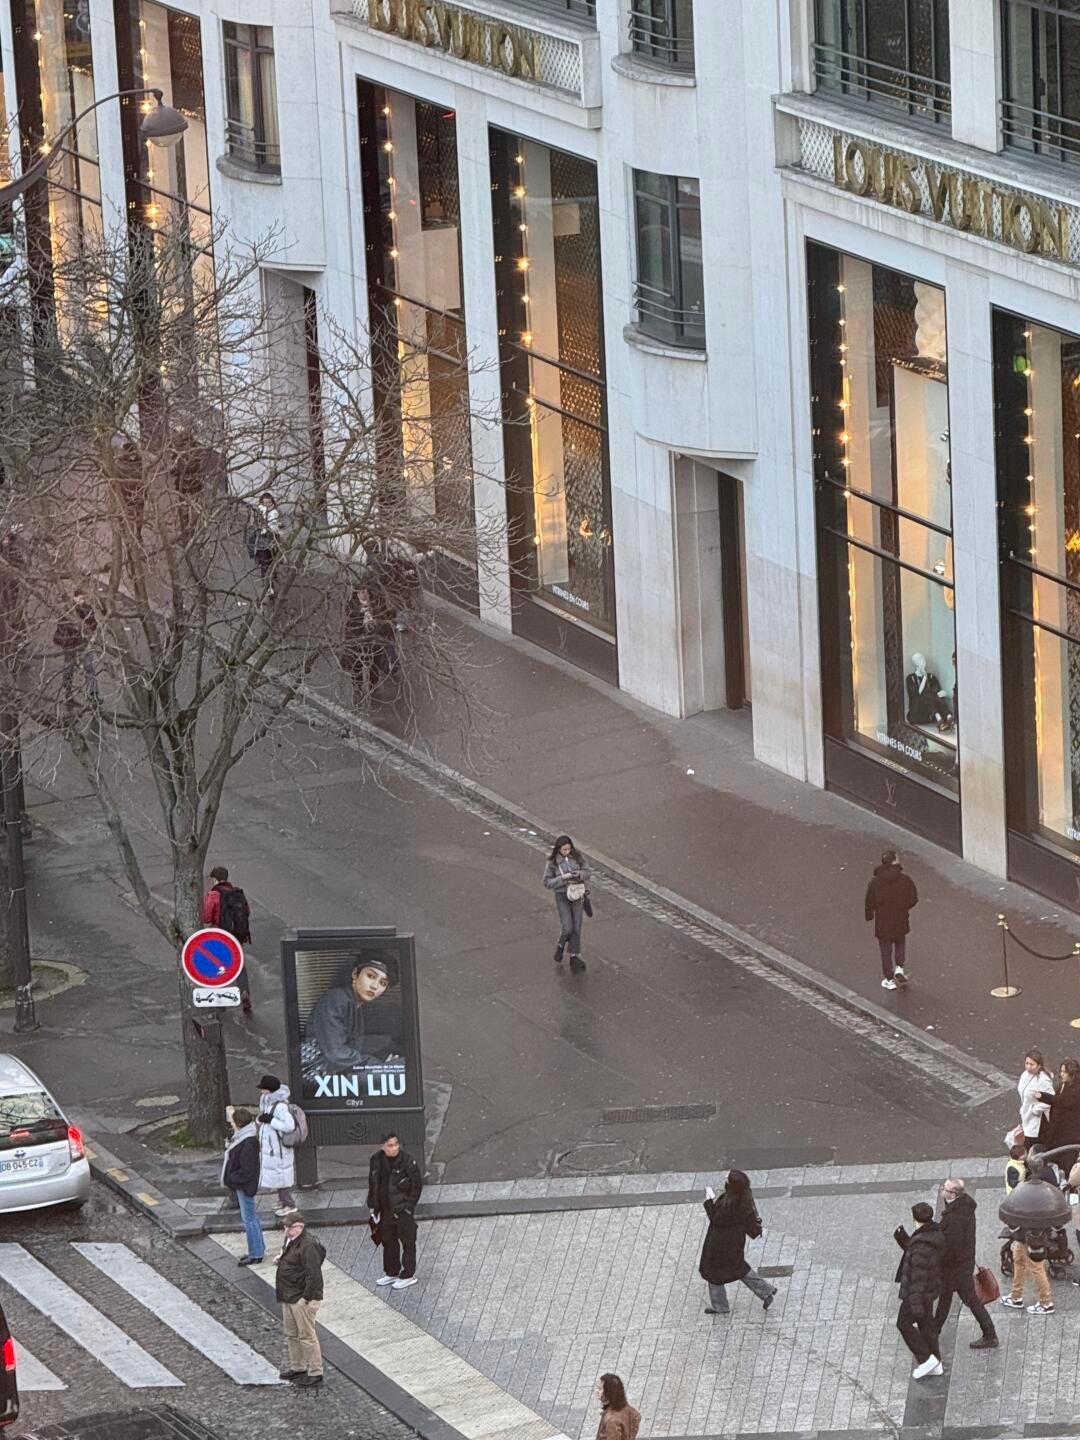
pixel 29 1119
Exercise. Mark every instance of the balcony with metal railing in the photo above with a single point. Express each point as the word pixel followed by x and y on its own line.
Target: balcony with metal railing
pixel 581 10
pixel 659 35
pixel 661 320
pixel 244 147
pixel 1040 132
pixel 921 97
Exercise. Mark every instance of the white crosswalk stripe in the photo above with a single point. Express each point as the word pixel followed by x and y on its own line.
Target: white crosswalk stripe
pixel 173 1308
pixel 33 1375
pixel 79 1319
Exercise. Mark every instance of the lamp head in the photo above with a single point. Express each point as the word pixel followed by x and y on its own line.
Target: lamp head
pixel 163 126
pixel 1035 1204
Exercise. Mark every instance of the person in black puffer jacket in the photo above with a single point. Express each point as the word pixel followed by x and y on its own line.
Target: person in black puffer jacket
pixel 958 1226
pixel 920 1277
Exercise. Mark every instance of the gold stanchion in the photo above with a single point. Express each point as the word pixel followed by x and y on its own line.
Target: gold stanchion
pixel 1007 991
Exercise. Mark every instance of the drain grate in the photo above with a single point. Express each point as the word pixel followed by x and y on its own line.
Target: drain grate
pixel 644 1113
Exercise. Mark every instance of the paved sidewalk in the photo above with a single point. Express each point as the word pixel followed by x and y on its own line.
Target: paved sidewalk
pixel 527 1310
pixel 685 803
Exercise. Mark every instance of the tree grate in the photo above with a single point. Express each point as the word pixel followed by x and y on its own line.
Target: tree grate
pixel 645 1113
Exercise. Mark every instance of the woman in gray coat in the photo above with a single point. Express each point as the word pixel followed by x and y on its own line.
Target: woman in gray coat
pixel 567 873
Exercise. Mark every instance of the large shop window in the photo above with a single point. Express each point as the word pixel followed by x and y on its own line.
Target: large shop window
pixel 1037 406
pixel 884 509
pixel 417 310
pixel 161 48
pixel 547 242
pixel 1040 111
pixel 889 53
pixel 54 65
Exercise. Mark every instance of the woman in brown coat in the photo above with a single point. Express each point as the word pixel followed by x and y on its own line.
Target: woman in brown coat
pixel 618 1418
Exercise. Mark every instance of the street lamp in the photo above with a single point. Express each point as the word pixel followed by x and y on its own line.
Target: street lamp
pixel 161 126
pixel 1036 1206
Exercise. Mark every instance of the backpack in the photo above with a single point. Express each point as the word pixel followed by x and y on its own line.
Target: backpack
pixel 235 913
pixel 294 1138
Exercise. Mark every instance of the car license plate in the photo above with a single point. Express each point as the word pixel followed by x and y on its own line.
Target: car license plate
pixel 11 1167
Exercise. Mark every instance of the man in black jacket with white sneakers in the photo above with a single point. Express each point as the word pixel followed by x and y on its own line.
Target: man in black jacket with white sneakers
pixel 394 1186
pixel 920 1278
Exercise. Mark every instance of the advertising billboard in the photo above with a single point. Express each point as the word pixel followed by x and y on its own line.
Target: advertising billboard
pixel 353 1032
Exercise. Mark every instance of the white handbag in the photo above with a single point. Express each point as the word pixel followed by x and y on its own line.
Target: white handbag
pixel 575 890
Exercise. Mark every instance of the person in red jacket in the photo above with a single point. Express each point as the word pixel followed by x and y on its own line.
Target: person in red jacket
pixel 233 915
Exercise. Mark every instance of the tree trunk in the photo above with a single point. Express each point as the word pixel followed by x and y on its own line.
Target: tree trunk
pixel 205 1061
pixel 7 935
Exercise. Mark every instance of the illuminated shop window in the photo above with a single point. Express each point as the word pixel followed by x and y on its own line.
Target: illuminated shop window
pixel 884 506
pixel 412 219
pixel 547 227
pixel 1037 407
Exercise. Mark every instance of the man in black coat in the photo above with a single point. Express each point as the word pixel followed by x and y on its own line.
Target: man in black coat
pixel 958 1226
pixel 394 1186
pixel 890 898
pixel 919 1275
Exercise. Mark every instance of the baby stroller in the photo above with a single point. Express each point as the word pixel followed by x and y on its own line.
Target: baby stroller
pixel 1056 1253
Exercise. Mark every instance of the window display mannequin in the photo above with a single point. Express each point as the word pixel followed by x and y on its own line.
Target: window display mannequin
pixel 927 703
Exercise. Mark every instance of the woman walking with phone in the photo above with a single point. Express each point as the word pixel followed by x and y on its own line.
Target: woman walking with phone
pixel 567 873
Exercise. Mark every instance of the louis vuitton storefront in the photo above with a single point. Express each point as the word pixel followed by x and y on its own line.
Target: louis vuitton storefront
pixel 943 352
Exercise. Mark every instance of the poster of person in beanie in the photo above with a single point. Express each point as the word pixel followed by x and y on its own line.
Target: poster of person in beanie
pixel 354 1045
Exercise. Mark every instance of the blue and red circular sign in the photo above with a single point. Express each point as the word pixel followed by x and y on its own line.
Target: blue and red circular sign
pixel 212 957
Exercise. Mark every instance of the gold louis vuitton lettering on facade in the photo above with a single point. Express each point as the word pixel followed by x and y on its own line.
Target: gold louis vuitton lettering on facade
pixel 965 202
pixel 463 34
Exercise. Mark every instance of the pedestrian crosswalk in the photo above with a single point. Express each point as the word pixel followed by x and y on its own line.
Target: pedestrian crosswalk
pixel 92 1330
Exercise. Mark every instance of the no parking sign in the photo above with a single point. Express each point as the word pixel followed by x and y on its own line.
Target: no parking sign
pixel 212 957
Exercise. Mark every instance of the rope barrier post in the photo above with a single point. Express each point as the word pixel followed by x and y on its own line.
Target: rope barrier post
pixel 1007 991
pixel 1076 951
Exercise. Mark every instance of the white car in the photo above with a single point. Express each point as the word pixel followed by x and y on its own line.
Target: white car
pixel 42 1159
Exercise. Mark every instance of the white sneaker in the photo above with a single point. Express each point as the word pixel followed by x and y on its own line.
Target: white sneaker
pixel 386 1280
pixel 284 1210
pixel 888 984
pixel 404 1284
pixel 933 1366
pixel 1039 1309
pixel 899 973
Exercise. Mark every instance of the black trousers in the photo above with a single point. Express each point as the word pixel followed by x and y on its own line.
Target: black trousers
pixel 966 1292
pixel 920 1333
pixel 399 1244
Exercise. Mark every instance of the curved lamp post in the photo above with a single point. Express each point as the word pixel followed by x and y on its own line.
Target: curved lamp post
pixel 162 126
pixel 1036 1206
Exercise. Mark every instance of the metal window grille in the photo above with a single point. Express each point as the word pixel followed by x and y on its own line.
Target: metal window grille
pixel 1040 111
pixel 671 311
pixel 886 56
pixel 663 31
pixel 251 132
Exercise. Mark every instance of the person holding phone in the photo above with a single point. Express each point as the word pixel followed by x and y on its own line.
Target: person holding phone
pixel 567 873
pixel 733 1219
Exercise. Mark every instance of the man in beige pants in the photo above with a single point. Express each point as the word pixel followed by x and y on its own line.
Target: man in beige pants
pixel 299 1290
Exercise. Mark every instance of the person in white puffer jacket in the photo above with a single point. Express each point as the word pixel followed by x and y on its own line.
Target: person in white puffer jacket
pixel 278 1163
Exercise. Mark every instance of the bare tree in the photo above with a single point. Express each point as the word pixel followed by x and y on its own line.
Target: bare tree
pixel 165 618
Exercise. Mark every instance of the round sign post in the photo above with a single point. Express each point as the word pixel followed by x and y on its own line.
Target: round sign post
pixel 212 958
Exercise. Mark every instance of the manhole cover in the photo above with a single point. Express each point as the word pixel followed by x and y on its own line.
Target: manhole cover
pixel 645 1113
pixel 597 1157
